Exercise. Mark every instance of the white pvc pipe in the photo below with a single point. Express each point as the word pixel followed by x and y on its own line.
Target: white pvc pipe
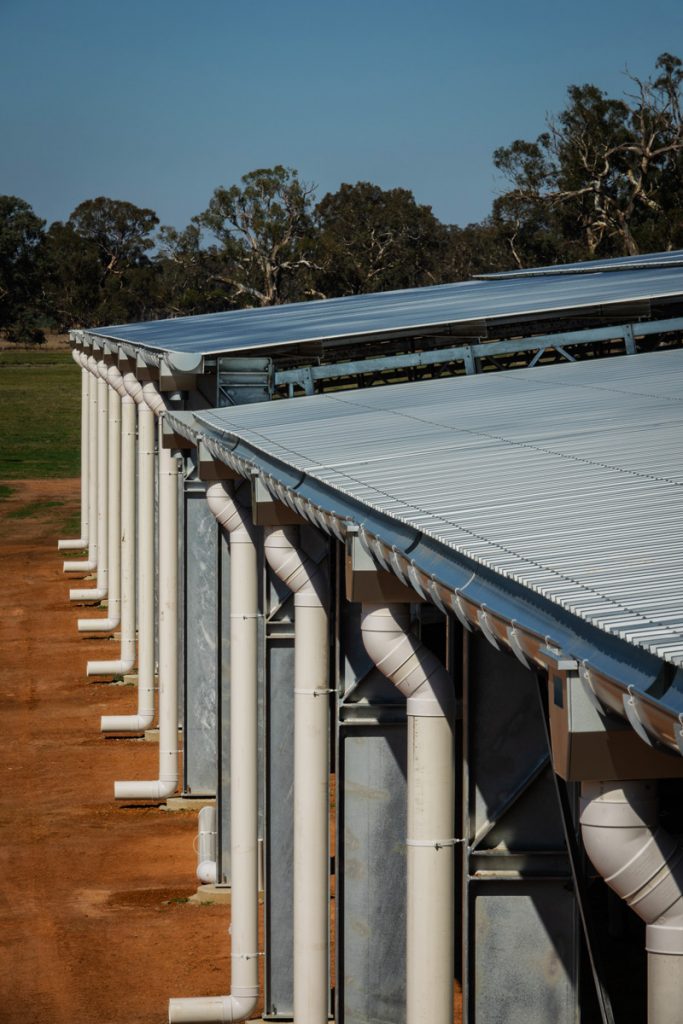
pixel 144 716
pixel 643 863
pixel 88 565
pixel 166 784
pixel 206 845
pixel 307 578
pixel 81 542
pixel 113 513
pixel 99 592
pixel 241 1002
pixel 420 676
pixel 126 538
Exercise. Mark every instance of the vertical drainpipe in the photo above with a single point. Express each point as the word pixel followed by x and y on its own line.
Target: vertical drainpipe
pixel 144 716
pixel 166 784
pixel 419 675
pixel 91 562
pixel 113 510
pixel 307 578
pixel 643 863
pixel 99 592
pixel 81 542
pixel 241 1002
pixel 124 539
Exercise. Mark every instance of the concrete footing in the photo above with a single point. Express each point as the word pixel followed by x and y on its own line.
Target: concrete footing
pixel 152 735
pixel 212 894
pixel 189 803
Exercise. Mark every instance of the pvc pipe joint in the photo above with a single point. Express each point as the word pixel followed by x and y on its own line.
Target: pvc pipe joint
pixel 637 858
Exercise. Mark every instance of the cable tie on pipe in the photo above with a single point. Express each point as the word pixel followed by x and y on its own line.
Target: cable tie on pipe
pixel 244 615
pixel 436 844
pixel 245 956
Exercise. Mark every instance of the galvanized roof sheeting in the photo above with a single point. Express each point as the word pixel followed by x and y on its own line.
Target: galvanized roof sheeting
pixel 648 260
pixel 567 479
pixel 413 311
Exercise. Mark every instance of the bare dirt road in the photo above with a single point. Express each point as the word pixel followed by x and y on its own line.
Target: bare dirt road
pixel 93 924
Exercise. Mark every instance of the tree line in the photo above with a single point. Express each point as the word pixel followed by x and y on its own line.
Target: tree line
pixel 605 178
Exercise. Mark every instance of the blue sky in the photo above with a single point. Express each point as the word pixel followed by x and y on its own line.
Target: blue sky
pixel 160 101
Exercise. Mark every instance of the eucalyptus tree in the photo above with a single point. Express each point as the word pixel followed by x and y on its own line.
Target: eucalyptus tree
pixel 604 178
pixel 263 237
pixel 22 260
pixel 101 266
pixel 373 239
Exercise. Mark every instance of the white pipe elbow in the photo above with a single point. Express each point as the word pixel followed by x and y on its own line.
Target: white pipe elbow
pixel 234 518
pixel 213 1009
pixel 207 872
pixel 76 544
pixel 153 398
pixel 116 667
pixel 85 566
pixel 115 380
pixel 126 723
pixel 637 858
pixel 94 594
pixel 98 625
pixel 133 388
pixel 305 576
pixel 150 789
pixel 404 659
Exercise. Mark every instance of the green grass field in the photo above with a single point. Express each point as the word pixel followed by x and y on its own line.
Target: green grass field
pixel 40 401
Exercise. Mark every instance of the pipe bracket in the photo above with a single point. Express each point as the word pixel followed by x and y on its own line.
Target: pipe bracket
pixel 513 635
pixel 435 844
pixel 459 611
pixel 634 719
pixel 486 627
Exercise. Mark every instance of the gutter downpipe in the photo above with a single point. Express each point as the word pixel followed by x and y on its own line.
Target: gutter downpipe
pixel 643 864
pixel 307 578
pixel 419 675
pixel 99 592
pixel 113 512
pixel 81 542
pixel 144 716
pixel 166 784
pixel 125 538
pixel 243 998
pixel 90 564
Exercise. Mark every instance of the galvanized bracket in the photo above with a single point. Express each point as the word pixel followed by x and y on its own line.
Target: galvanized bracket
pixel 678 734
pixel 629 340
pixel 513 636
pixel 459 612
pixel 633 716
pixel 486 627
pixel 589 687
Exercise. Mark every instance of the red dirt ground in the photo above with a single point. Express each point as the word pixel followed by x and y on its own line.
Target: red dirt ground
pixel 93 924
pixel 90 930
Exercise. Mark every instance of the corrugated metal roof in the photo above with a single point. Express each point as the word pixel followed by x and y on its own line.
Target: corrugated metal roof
pixel 567 479
pixel 415 310
pixel 648 260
